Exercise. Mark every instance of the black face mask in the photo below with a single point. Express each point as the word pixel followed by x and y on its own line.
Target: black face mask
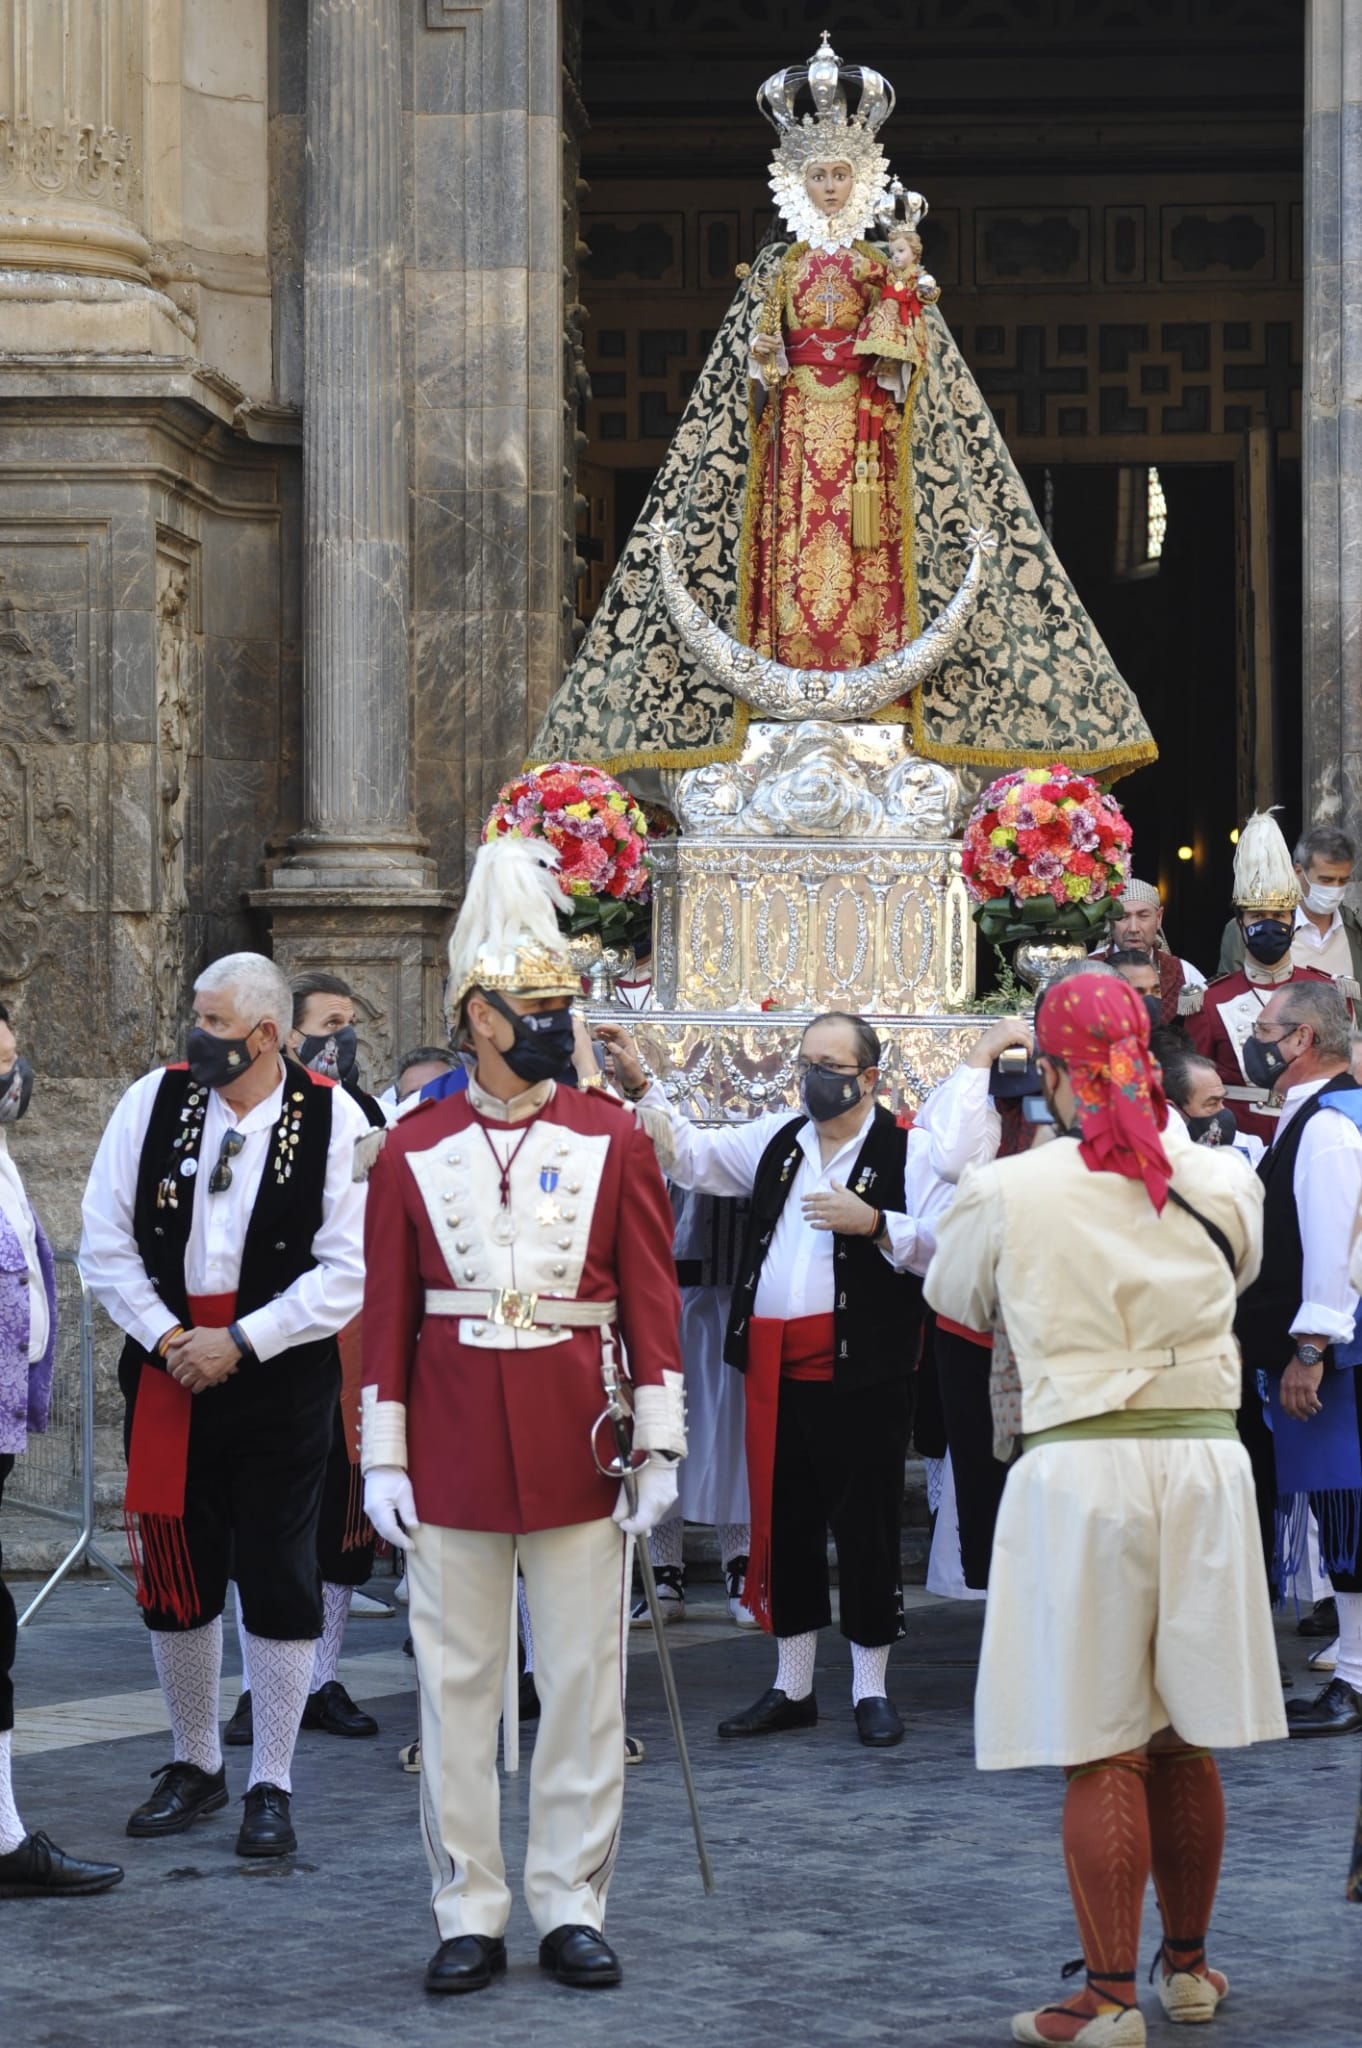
pixel 333 1054
pixel 217 1062
pixel 1154 1005
pixel 826 1095
pixel 1267 940
pixel 1264 1064
pixel 1220 1129
pixel 16 1089
pixel 542 1048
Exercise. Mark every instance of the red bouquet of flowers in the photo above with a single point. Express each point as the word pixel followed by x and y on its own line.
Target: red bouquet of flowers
pixel 601 835
pixel 1045 850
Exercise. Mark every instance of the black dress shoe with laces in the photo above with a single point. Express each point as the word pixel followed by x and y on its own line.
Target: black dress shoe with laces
pixel 1335 1711
pixel 468 1962
pixel 335 1713
pixel 1322 1620
pixel 580 1956
pixel 773 1713
pixel 877 1723
pixel 38 1869
pixel 183 1795
pixel 266 1827
pixel 240 1730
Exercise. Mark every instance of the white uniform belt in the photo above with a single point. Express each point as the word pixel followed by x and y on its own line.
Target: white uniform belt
pixel 516 1310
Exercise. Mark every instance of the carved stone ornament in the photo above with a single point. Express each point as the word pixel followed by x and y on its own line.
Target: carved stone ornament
pixel 818 780
pixel 76 157
pixel 778 691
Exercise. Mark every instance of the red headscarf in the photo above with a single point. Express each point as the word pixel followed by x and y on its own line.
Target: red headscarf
pixel 1099 1027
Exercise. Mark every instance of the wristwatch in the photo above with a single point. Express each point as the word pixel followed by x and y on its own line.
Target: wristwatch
pixel 1310 1354
pixel 881 1230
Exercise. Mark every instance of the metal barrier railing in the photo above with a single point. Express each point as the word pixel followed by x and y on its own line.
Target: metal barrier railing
pixel 55 1477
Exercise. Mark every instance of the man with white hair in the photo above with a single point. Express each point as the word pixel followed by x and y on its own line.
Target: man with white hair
pixel 224 1235
pixel 1139 929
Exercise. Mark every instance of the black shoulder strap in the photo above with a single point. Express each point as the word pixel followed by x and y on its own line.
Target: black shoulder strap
pixel 1212 1230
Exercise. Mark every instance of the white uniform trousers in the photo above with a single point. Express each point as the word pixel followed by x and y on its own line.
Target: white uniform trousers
pixel 460 1583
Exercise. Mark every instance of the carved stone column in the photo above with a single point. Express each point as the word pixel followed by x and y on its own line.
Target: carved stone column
pixel 1332 423
pixel 356 884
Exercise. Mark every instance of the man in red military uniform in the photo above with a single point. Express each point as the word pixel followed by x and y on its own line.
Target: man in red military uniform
pixel 513 1232
pixel 1265 899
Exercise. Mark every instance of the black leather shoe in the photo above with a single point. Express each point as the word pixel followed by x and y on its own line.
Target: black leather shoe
pixel 1322 1620
pixel 529 1698
pixel 38 1869
pixel 773 1713
pixel 335 1713
pixel 467 1963
pixel 580 1956
pixel 266 1829
pixel 240 1730
pixel 1335 1711
pixel 184 1795
pixel 878 1724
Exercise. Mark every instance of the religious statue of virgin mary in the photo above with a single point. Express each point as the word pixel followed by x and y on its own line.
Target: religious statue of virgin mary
pixel 821 507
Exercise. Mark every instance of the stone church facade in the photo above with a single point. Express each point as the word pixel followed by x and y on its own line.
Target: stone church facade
pixel 298 393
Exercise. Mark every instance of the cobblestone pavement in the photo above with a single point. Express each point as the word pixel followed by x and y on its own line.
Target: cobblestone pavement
pixel 878 1897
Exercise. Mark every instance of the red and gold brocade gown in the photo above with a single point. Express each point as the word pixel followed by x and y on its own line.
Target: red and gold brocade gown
pixel 806 596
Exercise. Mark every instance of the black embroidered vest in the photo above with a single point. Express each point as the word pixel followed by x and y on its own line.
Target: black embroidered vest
pixel 877 1313
pixel 1267 1308
pixel 286 1215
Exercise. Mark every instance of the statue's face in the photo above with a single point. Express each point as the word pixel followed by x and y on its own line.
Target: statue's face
pixel 828 186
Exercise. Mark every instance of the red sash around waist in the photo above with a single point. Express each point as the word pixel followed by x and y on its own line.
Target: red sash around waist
pixel 158 1459
pixel 983 1338
pixel 825 348
pixel 776 1350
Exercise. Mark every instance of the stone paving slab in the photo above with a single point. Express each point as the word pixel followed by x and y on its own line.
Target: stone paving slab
pixel 864 1897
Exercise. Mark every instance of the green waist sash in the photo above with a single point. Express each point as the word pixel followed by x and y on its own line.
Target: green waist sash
pixel 1156 1422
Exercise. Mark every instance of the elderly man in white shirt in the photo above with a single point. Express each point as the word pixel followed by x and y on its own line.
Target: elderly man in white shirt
pixel 1297 1325
pixel 223 1232
pixel 826 1323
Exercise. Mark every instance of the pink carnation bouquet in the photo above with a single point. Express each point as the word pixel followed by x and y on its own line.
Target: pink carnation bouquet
pixel 601 835
pixel 1045 850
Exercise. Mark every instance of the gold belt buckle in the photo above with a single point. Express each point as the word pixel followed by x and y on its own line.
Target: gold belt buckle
pixel 512 1309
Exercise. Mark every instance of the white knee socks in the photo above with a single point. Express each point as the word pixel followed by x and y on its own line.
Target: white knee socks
pixel 335 1614
pixel 189 1665
pixel 526 1632
pixel 666 1544
pixel 12 1829
pixel 868 1669
pixel 794 1671
pixel 735 1540
pixel 281 1677
pixel 1349 1666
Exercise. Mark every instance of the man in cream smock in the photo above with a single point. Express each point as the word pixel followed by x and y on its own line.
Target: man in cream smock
pixel 1128 1628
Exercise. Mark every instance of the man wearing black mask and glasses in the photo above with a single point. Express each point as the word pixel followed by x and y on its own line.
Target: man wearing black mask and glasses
pixel 825 1324
pixel 223 1234
pixel 1266 894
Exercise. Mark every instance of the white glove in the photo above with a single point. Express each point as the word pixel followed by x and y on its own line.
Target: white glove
pixel 656 1496
pixel 390 1504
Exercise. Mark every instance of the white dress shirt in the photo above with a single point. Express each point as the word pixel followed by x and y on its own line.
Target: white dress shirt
pixel 15 1205
pixel 319 1302
pixel 1326 950
pixel 797 1277
pixel 1327 1183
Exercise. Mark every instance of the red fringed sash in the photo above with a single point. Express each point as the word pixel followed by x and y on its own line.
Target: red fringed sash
pixel 796 1350
pixel 158 1458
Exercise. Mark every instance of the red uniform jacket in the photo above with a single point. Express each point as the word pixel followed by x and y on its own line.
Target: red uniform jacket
pixel 497 1421
pixel 1221 1025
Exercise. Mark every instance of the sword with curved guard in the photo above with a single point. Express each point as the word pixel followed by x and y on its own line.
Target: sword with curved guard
pixel 626 1466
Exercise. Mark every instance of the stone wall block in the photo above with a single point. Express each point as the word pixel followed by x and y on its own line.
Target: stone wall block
pixel 442 551
pixel 132 676
pixel 445 335
pixel 240 697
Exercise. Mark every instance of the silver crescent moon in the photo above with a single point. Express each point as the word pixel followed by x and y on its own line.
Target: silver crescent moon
pixel 777 691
